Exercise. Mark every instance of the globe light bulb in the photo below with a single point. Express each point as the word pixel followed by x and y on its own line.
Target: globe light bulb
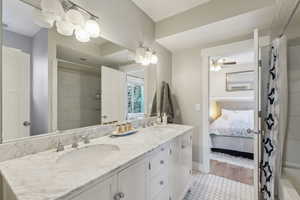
pixel 92 27
pixel 81 35
pixel 65 28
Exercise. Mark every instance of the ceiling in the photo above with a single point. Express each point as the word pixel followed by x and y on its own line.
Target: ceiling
pixel 119 58
pixel 220 30
pixel 22 22
pixel 161 9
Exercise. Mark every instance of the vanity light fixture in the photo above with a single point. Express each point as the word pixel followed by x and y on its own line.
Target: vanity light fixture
pixel 145 56
pixel 69 19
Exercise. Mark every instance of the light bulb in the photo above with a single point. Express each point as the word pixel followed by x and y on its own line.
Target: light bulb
pixel 154 59
pixel 42 20
pixel 92 27
pixel 145 62
pixel 140 54
pixel 82 35
pixel 75 17
pixel 65 28
pixel 147 58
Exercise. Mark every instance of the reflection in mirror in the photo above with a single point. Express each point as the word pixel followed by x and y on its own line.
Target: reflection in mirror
pixel 53 82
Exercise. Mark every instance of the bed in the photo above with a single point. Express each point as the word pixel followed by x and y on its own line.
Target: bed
pixel 228 133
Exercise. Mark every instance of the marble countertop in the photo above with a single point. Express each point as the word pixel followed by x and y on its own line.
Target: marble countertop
pixel 39 177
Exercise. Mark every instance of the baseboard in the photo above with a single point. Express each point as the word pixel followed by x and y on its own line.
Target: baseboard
pixel 291 165
pixel 198 166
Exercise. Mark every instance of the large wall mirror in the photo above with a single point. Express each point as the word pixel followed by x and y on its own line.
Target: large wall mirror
pixel 53 82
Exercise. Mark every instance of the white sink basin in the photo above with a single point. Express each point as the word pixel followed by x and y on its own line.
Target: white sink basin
pixel 96 155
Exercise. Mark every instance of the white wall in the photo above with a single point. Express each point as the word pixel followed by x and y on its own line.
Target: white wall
pixel 217 81
pixel 186 85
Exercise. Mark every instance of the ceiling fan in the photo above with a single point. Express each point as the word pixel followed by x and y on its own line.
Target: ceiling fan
pixel 216 64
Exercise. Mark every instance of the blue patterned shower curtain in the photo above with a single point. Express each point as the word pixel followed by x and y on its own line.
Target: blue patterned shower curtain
pixel 276 119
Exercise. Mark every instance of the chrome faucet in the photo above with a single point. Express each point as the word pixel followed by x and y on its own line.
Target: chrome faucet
pixel 60 147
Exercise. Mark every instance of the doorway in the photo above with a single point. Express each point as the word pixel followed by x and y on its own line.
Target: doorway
pixel 231 116
pixel 230 52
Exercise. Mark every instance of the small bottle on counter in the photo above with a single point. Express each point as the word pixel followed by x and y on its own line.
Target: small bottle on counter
pixel 123 128
pixel 118 130
pixel 158 120
pixel 165 119
pixel 128 126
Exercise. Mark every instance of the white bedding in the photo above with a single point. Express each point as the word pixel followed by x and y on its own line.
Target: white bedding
pixel 229 131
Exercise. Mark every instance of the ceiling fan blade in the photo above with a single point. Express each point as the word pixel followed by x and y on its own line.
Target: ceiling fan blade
pixel 229 63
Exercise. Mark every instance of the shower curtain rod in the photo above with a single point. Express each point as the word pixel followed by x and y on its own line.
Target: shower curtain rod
pixel 290 18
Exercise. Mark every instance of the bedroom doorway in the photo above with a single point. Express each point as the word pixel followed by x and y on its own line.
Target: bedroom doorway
pixel 231 116
pixel 231 154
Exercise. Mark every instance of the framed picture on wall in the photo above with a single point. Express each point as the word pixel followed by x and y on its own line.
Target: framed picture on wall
pixel 240 81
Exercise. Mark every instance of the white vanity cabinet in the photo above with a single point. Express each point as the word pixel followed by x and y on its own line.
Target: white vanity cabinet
pixel 180 166
pixel 163 174
pixel 132 182
pixel 105 190
pixel 185 163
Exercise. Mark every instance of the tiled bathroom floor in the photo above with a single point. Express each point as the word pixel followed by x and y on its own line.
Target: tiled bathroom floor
pixel 211 187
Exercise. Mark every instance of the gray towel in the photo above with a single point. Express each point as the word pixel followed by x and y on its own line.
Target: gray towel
pixel 154 106
pixel 166 105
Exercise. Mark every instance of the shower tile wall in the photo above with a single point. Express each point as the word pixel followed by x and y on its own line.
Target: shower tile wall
pixel 293 137
pixel 77 102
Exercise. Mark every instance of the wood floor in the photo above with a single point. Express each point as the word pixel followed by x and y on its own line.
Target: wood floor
pixel 232 172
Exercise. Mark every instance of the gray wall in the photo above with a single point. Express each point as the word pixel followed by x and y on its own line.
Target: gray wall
pixel 122 22
pixel 17 41
pixel 293 135
pixel 39 98
pixel 186 82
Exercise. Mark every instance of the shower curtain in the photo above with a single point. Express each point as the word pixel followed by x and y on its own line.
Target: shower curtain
pixel 276 119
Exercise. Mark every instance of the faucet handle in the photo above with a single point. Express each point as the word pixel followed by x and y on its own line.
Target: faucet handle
pixel 85 139
pixel 60 147
pixel 75 142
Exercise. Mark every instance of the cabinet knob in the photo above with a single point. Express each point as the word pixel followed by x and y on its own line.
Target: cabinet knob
pixel 183 146
pixel 119 196
pixel 161 182
pixel 162 162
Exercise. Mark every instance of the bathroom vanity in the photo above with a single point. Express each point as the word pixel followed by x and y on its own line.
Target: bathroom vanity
pixel 154 164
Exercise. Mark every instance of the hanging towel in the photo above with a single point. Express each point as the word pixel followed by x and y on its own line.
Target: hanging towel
pixel 166 105
pixel 154 106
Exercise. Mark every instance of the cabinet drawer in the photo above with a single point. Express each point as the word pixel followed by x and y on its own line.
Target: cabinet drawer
pixel 158 183
pixel 159 160
pixel 163 195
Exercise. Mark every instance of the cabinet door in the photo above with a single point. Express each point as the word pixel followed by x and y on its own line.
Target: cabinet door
pixel 133 182
pixel 104 191
pixel 174 169
pixel 185 160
